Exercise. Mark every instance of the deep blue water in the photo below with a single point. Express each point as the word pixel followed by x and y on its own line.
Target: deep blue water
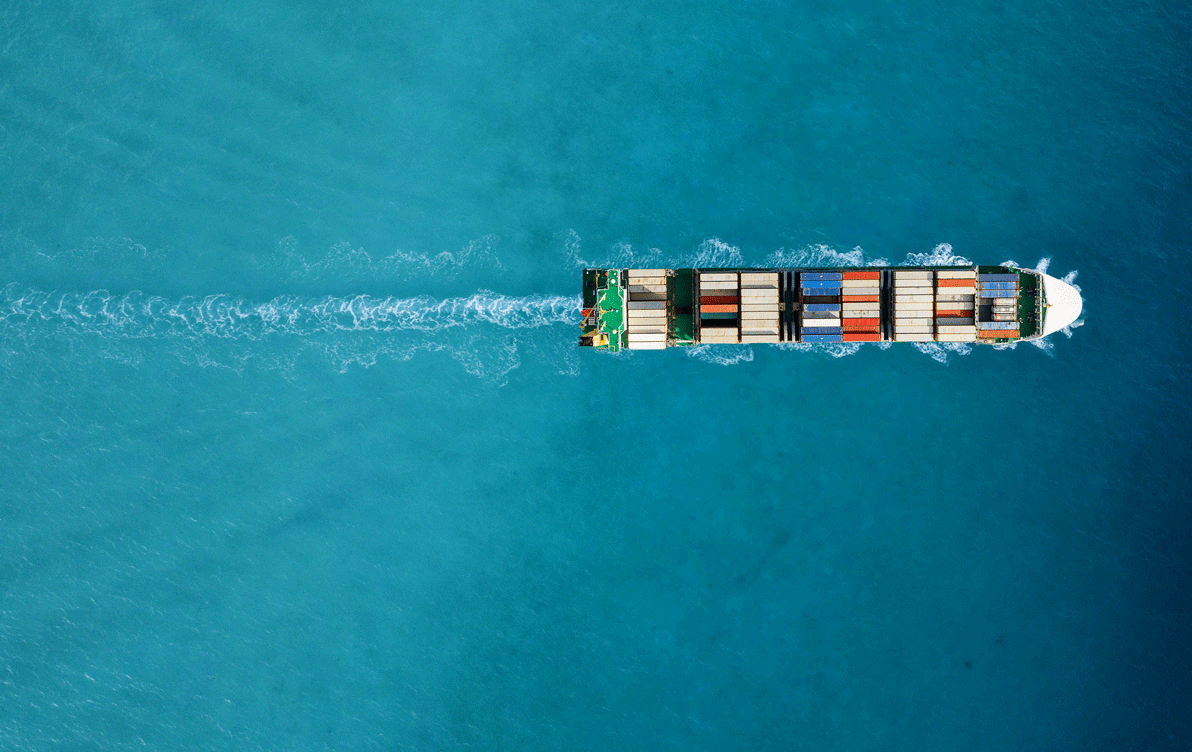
pixel 298 451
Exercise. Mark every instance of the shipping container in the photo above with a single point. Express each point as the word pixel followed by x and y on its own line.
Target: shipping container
pixel 717 277
pixel 914 329
pixel 817 284
pixel 913 299
pixel 647 337
pixel 954 328
pixel 997 277
pixel 821 307
pixel 862 275
pixel 961 283
pixel 860 298
pixel 956 337
pixel 998 285
pixel 900 274
pixel 646 305
pixel 861 337
pixel 820 277
pixel 861 322
pixel 997 294
pixel 649 272
pixel 717 309
pixel 997 333
pixel 717 299
pixel 956 274
pixel 861 291
pixel 705 286
pixel 759 339
pixel 860 282
pixel 823 338
pixel 717 315
pixel 822 330
pixel 913 337
pixel 954 298
pixel 1002 325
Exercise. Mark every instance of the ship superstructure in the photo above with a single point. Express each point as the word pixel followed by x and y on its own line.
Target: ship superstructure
pixel 652 309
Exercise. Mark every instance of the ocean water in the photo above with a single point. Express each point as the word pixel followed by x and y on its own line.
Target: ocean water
pixel 298 451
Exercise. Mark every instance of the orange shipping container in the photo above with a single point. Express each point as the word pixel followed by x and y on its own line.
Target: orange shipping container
pixel 956 314
pixel 718 309
pixel 956 282
pixel 862 275
pixel 997 333
pixel 860 298
pixel 860 322
pixel 862 337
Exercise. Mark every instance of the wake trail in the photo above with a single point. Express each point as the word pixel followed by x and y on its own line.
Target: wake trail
pixel 137 315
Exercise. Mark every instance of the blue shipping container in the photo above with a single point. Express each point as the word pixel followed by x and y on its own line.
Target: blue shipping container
pixel 821 307
pixel 997 324
pixel 997 286
pixel 816 284
pixel 822 330
pixel 823 337
pixel 996 294
pixel 997 277
pixel 835 276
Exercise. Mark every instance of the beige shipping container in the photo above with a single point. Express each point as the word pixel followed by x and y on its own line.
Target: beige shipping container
pixel 956 337
pixel 713 285
pixel 759 339
pixel 647 336
pixel 911 274
pixel 945 305
pixel 956 274
pixel 952 329
pixel 759 279
pixel 953 297
pixel 913 330
pixel 913 337
pixel 717 277
pixel 858 283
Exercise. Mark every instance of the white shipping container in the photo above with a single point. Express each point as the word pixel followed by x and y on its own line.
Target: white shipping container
pixel 646 288
pixel 911 274
pixel 956 337
pixel 759 278
pixel 859 283
pixel 906 283
pixel 759 339
pixel 647 336
pixel 864 291
pixel 875 307
pixel 647 345
pixel 717 277
pixel 953 297
pixel 913 299
pixel 820 315
pixel 913 330
pixel 647 305
pixel 706 286
pixel 913 337
pixel 755 327
pixel 646 280
pixel 648 272
pixel 750 296
pixel 956 290
pixel 956 274
pixel 717 339
pixel 951 329
pixel 944 305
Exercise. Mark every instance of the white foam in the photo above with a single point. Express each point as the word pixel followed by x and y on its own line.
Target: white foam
pixel 941 255
pixel 722 355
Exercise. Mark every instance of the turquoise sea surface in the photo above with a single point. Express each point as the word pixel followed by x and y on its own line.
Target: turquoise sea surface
pixel 297 450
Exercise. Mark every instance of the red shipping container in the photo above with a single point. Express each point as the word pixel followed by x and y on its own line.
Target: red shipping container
pixel 956 282
pixel 860 298
pixel 718 308
pixel 861 329
pixel 717 300
pixel 862 275
pixel 862 337
pixel 860 322
pixel 954 314
pixel 997 333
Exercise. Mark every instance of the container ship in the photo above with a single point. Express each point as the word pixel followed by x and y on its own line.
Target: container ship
pixel 652 309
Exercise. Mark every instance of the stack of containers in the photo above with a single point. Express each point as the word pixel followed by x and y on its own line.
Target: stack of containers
pixel 759 307
pixel 914 306
pixel 1000 293
pixel 718 307
pixel 861 316
pixel 645 310
pixel 821 306
pixel 997 329
pixel 955 311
